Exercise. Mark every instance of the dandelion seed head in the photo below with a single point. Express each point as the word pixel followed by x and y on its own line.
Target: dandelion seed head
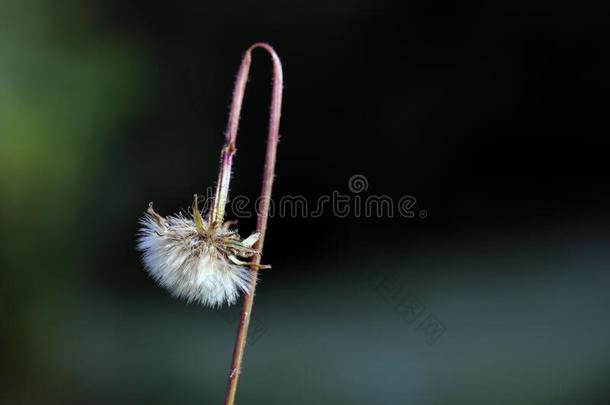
pixel 193 259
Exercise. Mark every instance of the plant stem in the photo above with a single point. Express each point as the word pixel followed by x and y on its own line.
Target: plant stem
pixel 222 191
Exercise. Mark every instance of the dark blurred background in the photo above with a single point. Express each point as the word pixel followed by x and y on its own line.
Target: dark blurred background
pixel 493 115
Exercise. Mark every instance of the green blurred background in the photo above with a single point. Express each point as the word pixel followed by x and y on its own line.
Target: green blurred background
pixel 494 116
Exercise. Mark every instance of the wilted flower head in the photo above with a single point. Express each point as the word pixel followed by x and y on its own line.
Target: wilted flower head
pixel 195 259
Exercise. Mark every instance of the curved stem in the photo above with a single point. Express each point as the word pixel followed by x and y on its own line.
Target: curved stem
pixel 222 190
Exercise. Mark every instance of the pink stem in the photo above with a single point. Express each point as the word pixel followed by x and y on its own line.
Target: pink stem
pixel 222 190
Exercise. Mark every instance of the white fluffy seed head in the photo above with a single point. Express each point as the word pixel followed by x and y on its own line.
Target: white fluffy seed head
pixel 193 259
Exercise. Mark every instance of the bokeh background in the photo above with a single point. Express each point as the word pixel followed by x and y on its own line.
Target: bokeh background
pixel 494 115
